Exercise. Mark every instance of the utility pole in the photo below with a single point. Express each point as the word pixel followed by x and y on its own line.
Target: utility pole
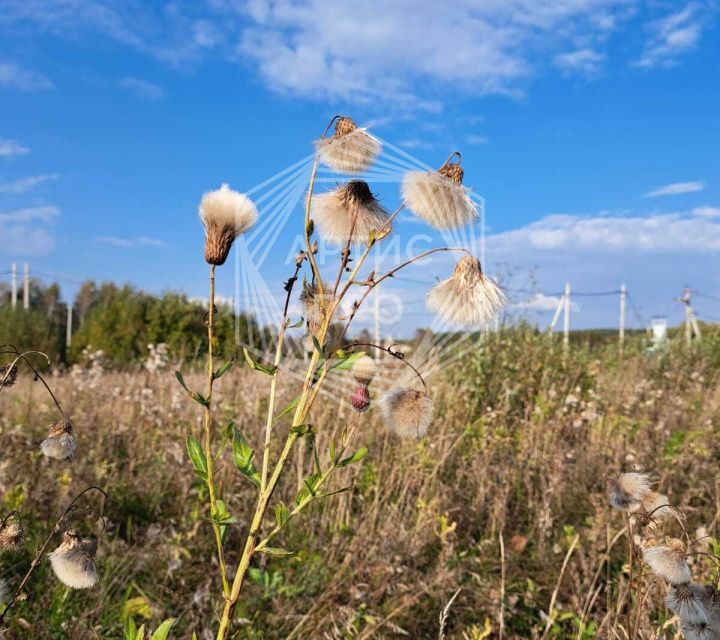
pixel 13 289
pixel 691 324
pixel 566 318
pixel 26 287
pixel 623 298
pixel 68 328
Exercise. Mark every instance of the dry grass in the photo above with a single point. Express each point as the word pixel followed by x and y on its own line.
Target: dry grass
pixel 520 446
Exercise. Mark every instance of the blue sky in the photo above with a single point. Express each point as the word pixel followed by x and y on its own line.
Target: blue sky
pixel 589 127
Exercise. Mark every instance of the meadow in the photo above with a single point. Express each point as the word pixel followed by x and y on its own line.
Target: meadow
pixel 503 505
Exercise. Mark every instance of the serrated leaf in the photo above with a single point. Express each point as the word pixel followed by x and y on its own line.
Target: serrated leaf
pixel 163 631
pixel 243 455
pixel 141 633
pixel 355 457
pixel 223 370
pixel 276 551
pixel 270 371
pixel 197 457
pixel 282 515
pixel 221 517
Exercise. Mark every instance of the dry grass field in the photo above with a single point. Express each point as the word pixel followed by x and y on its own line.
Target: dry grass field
pixel 505 500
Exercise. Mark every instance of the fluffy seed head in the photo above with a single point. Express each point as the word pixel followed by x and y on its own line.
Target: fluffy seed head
pixel 468 297
pixel 360 399
pixel 697 631
pixel 627 491
pixel 350 150
pixel 438 197
pixel 364 369
pixel 657 506
pixel 406 412
pixel 686 601
pixel 225 214
pixel 74 561
pixel 348 212
pixel 12 536
pixel 668 561
pixel 60 443
pixel 314 307
pixel 11 372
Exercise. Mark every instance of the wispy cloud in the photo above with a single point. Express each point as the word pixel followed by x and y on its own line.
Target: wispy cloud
pixel 673 35
pixel 142 88
pixel 131 243
pixel 13 76
pixel 676 188
pixel 21 185
pixel 707 212
pixel 474 139
pixel 542 302
pixel 583 61
pixel 28 231
pixel 10 148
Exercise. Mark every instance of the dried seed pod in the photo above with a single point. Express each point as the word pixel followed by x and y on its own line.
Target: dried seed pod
pixel 8 375
pixel 627 491
pixel 407 412
pixel 350 149
pixel 12 536
pixel 60 442
pixel 74 561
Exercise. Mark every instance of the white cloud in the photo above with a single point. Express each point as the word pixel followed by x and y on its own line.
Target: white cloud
pixel 676 188
pixel 28 231
pixel 142 88
pixel 707 212
pixel 673 35
pixel 21 185
pixel 542 302
pixel 13 76
pixel 10 148
pixel 474 139
pixel 583 61
pixel 131 243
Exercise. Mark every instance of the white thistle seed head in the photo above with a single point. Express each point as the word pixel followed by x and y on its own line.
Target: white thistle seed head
pixel 697 631
pixel 74 561
pixel 225 214
pixel 439 197
pixel 364 369
pixel 668 561
pixel 348 212
pixel 627 491
pixel 406 412
pixel 60 443
pixel 468 297
pixel 350 149
pixel 657 506
pixel 686 601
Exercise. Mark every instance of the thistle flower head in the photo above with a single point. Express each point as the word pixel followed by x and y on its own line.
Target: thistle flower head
pixel 74 561
pixel 364 369
pixel 468 297
pixel 12 536
pixel 439 197
pixel 406 412
pixel 60 443
pixel 360 399
pixel 348 212
pixel 11 372
pixel 697 631
pixel 627 491
pixel 350 149
pixel 669 561
pixel 687 602
pixel 225 214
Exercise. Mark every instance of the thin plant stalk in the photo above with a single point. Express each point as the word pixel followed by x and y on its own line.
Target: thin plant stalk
pixel 207 426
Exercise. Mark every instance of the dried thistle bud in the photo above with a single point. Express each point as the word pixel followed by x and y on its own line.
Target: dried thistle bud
pixel 315 306
pixel 627 491
pixel 348 213
pixel 225 214
pixel 687 602
pixel 74 561
pixel 407 412
pixel 468 297
pixel 12 536
pixel 300 258
pixel 60 443
pixel 360 399
pixel 439 197
pixel 657 507
pixel 350 150
pixel 8 375
pixel 364 369
pixel 668 561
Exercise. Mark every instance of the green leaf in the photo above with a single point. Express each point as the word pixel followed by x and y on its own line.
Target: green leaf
pixel 288 408
pixel 331 452
pixel 346 360
pixel 221 517
pixel 318 348
pixel 282 515
pixel 243 455
pixel 355 457
pixel 163 631
pixel 275 551
pixel 199 398
pixel 141 633
pixel 270 371
pixel 297 324
pixel 197 457
pixel 308 489
pixel 223 370
pixel 129 629
pixel 302 430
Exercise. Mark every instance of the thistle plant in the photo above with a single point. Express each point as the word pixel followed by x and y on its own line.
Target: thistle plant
pixel 351 218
